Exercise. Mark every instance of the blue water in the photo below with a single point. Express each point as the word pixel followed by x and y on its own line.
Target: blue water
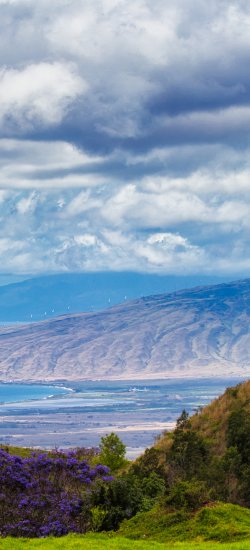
pixel 170 396
pixel 138 411
pixel 14 393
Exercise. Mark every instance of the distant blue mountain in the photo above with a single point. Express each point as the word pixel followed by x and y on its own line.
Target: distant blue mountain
pixel 49 296
pixel 198 332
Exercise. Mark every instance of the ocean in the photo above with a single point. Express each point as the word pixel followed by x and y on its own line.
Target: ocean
pixel 79 413
pixel 11 393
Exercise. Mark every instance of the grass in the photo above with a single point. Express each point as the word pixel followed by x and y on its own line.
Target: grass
pixel 224 526
pixel 222 523
pixel 100 542
pixel 23 452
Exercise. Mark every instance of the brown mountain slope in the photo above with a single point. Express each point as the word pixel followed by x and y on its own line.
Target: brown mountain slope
pixel 199 332
pixel 212 422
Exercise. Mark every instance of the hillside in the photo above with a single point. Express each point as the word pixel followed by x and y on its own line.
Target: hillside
pixel 206 459
pixel 199 332
pixel 211 422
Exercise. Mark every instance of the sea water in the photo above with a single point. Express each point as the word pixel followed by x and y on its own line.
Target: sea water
pixel 91 396
pixel 11 393
pixel 138 411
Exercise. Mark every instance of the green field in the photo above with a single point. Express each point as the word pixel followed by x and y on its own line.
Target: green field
pixel 99 542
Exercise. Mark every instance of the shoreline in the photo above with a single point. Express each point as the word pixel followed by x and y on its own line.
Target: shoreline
pixel 95 408
pixel 57 382
pixel 35 399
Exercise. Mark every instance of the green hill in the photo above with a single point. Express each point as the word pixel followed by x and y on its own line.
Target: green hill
pixel 221 522
pixel 210 451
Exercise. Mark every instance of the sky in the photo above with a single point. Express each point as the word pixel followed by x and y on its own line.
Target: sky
pixel 125 136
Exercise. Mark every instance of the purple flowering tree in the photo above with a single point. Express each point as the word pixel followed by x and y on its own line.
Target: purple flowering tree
pixel 47 494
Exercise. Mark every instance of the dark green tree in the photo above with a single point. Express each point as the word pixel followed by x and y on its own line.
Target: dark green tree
pixel 189 453
pixel 238 433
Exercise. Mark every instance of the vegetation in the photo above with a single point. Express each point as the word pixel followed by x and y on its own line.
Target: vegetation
pixel 208 454
pixel 193 485
pixel 99 542
pixel 221 522
pixel 51 494
pixel 113 452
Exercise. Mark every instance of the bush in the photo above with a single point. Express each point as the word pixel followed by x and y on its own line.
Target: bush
pixel 188 495
pixel 52 494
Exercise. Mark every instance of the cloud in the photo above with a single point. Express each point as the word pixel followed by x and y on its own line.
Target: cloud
pixel 124 135
pixel 128 63
pixel 37 95
pixel 25 164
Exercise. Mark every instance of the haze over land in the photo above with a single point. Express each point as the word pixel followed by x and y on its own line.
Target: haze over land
pixel 198 332
pixel 43 297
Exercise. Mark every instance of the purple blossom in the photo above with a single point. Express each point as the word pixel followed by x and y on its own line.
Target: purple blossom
pixel 51 491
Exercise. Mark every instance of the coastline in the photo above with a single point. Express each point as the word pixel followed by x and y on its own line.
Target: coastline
pixel 37 398
pixel 161 377
pixel 78 418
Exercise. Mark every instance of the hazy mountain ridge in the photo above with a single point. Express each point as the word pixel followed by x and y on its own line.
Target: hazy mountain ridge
pixel 40 298
pixel 199 332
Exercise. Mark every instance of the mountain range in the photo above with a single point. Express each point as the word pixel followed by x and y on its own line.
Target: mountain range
pixel 199 332
pixel 47 296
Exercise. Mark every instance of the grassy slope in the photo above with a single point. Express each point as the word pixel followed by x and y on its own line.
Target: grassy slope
pixel 99 542
pixel 223 522
pixel 211 422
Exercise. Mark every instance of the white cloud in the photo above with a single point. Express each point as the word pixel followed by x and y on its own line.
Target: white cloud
pixel 86 240
pixel 82 203
pixel 57 164
pixel 38 94
pixel 168 240
pixel 155 97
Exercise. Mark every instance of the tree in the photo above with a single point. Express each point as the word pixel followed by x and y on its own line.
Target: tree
pixel 113 452
pixel 189 453
pixel 238 433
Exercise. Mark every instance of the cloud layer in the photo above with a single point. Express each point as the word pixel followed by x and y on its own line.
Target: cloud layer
pixel 124 136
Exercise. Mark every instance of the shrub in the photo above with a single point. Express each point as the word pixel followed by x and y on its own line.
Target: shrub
pixel 188 495
pixel 52 494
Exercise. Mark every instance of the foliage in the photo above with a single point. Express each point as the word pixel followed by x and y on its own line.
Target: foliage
pixel 149 462
pixel 52 494
pixel 238 433
pixel 123 497
pixel 112 452
pixel 210 450
pixel 187 495
pixel 189 454
pixel 221 522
